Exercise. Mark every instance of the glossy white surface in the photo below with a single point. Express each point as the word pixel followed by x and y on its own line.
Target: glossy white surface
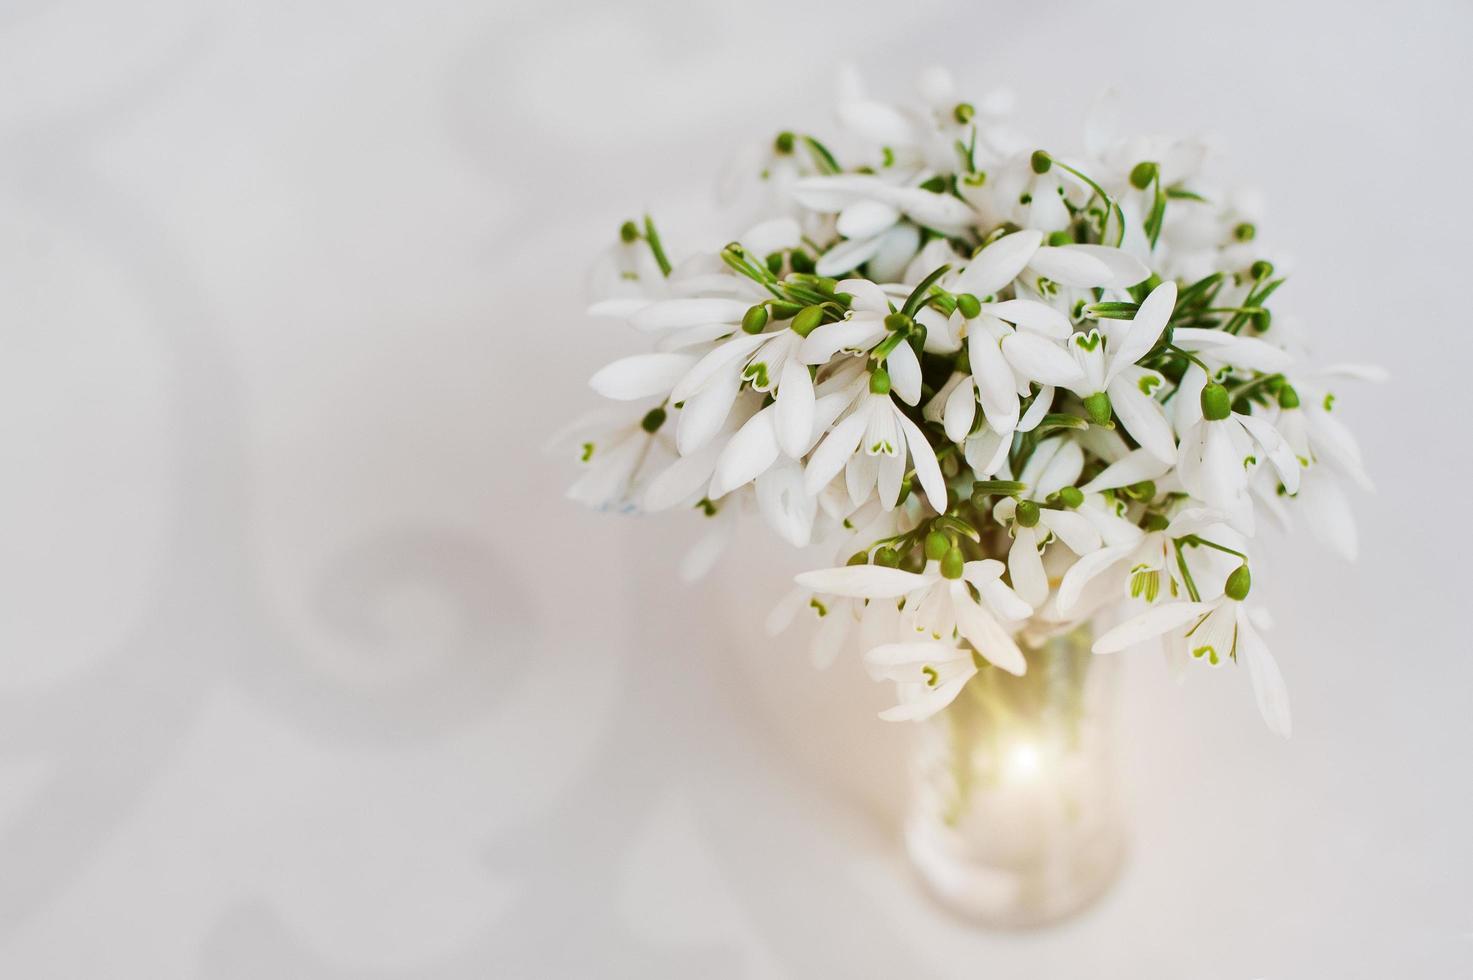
pixel 307 670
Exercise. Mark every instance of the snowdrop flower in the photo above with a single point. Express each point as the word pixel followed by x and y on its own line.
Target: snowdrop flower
pixel 1138 569
pixel 938 603
pixel 613 453
pixel 1053 469
pixel 880 222
pixel 767 361
pixel 1216 452
pixel 928 676
pixel 871 445
pixel 1213 632
pixel 1113 380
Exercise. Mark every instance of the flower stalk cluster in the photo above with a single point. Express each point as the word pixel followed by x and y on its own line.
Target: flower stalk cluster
pixel 1010 390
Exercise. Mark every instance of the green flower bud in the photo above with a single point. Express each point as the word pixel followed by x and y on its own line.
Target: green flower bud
pixel 952 562
pixel 899 323
pixel 1262 320
pixel 858 558
pixel 1027 514
pixel 801 261
pixel 784 142
pixel 879 382
pixel 963 112
pixel 1216 405
pixel 775 263
pixel 937 545
pixel 1155 522
pixel 628 232
pixel 888 557
pixel 1142 174
pixel 1144 490
pixel 1245 232
pixel 1261 269
pixel 807 319
pixel 1098 407
pixel 652 420
pixel 970 306
pixel 755 319
pixel 1059 238
pixel 1288 397
pixel 1238 584
pixel 1041 162
pixel 1071 497
pixel 784 311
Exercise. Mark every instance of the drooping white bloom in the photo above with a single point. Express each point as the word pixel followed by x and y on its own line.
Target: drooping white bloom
pixel 879 221
pixel 1108 364
pixel 1212 632
pixel 938 606
pixel 1217 451
pixel 871 445
pixel 1054 465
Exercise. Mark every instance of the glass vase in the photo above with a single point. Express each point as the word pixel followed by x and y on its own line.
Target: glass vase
pixel 1014 820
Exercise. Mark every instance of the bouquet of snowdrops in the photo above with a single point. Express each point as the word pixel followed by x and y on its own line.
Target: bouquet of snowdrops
pixel 1011 389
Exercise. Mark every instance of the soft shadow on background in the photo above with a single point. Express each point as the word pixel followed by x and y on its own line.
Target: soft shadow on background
pixel 308 670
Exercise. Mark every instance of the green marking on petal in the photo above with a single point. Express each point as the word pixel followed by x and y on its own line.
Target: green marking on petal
pixel 587 452
pixel 822 609
pixel 756 373
pixel 1149 383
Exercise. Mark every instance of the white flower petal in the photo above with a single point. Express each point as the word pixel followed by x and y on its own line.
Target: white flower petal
pixel 986 635
pixel 1037 409
pixel 939 211
pixel 680 482
pixel 1038 317
pixel 794 409
pixel 705 412
pixel 835 450
pixel 1026 567
pixel 1143 417
pixel 830 194
pixel 641 376
pixel 1268 683
pixel 866 219
pixel 748 455
pixel 998 264
pixel 724 359
pixel 1135 466
pixel 848 254
pixel 1086 570
pixel 923 458
pixel 1126 270
pixel 961 409
pixel 1042 360
pixel 1069 266
pixel 1072 528
pixel 781 501
pixel 667 314
pixel 1139 334
pixel 1285 463
pixel 863 581
pixel 1228 348
pixel 994 377
pixel 905 373
pixel 1156 621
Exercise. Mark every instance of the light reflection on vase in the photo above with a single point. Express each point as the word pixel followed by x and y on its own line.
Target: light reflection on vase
pixel 1014 819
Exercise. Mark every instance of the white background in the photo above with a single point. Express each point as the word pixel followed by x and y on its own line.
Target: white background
pixel 308 670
